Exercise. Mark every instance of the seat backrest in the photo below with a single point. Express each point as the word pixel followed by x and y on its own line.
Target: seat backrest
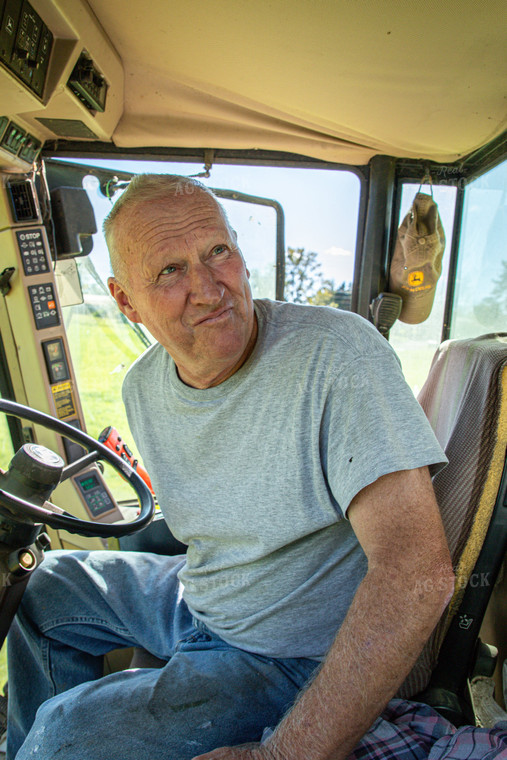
pixel 465 399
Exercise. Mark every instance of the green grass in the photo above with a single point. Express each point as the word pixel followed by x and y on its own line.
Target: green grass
pixel 416 362
pixel 3 667
pixel 6 449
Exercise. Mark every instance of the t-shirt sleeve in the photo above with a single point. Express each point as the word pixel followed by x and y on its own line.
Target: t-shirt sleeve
pixel 373 426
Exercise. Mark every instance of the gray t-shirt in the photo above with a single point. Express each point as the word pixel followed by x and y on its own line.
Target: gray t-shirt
pixel 256 474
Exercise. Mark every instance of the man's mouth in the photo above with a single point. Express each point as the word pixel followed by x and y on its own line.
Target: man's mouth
pixel 214 316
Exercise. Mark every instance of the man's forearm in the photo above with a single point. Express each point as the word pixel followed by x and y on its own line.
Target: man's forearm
pixel 392 615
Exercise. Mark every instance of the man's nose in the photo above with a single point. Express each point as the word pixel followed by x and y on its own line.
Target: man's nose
pixel 204 287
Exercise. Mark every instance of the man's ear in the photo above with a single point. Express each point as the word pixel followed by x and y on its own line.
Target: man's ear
pixel 122 298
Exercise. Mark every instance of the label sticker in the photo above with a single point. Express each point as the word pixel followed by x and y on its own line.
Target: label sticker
pixel 63 400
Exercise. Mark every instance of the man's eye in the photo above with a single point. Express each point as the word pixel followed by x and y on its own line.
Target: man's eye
pixel 168 270
pixel 218 249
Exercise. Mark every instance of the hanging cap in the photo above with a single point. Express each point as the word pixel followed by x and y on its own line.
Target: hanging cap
pixel 417 260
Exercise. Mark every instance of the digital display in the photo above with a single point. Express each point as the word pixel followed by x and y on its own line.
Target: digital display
pixel 88 483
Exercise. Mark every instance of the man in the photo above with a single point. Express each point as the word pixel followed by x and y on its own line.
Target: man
pixel 287 452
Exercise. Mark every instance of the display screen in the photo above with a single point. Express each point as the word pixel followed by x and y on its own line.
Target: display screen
pixel 88 483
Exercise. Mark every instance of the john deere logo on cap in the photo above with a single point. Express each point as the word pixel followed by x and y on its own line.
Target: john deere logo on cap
pixel 415 279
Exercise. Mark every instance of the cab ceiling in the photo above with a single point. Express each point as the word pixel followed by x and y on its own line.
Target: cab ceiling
pixel 335 80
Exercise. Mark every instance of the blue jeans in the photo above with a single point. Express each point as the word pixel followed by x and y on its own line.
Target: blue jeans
pixel 80 605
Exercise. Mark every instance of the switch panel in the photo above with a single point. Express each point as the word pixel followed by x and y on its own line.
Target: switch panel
pixel 33 252
pixel 25 44
pixel 13 139
pixel 45 310
pixel 88 84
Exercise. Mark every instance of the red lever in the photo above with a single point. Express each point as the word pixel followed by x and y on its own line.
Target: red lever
pixel 112 439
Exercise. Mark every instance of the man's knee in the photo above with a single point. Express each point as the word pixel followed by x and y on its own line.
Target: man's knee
pixel 51 583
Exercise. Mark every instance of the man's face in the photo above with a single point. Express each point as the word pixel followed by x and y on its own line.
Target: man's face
pixel 186 281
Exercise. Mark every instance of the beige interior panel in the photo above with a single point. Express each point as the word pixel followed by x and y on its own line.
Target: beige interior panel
pixel 335 80
pixel 329 79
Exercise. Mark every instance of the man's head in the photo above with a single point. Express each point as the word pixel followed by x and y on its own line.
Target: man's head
pixel 178 270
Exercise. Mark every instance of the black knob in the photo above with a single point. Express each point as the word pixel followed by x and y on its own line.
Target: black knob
pixel 37 465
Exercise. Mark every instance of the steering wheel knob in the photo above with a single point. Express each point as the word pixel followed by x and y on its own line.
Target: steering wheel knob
pixel 37 466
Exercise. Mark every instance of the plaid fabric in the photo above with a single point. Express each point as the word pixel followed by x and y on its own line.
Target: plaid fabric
pixel 413 731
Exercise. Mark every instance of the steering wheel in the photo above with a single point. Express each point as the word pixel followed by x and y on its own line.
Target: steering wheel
pixel 12 505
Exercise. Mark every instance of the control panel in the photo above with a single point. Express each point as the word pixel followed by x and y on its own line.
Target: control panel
pixel 40 291
pixel 88 84
pixel 17 141
pixel 60 77
pixel 44 308
pixel 98 499
pixel 56 360
pixel 25 44
pixel 35 345
pixel 33 252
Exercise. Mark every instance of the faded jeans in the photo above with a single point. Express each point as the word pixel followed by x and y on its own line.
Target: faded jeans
pixel 79 606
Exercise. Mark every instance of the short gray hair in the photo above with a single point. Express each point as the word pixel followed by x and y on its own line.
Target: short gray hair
pixel 141 189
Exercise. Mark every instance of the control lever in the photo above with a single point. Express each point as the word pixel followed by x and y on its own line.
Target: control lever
pixel 111 438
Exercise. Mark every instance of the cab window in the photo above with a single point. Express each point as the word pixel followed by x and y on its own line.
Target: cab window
pixel 480 296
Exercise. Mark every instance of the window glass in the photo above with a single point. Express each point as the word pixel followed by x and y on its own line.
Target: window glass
pixel 321 212
pixel 480 300
pixel 6 447
pixel 416 344
pixel 6 454
pixel 103 345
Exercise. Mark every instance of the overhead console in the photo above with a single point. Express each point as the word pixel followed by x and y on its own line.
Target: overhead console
pixel 60 77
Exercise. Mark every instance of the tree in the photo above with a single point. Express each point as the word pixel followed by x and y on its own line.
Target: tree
pixel 325 295
pixel 343 295
pixel 500 289
pixel 304 282
pixel 302 274
pixel 493 308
